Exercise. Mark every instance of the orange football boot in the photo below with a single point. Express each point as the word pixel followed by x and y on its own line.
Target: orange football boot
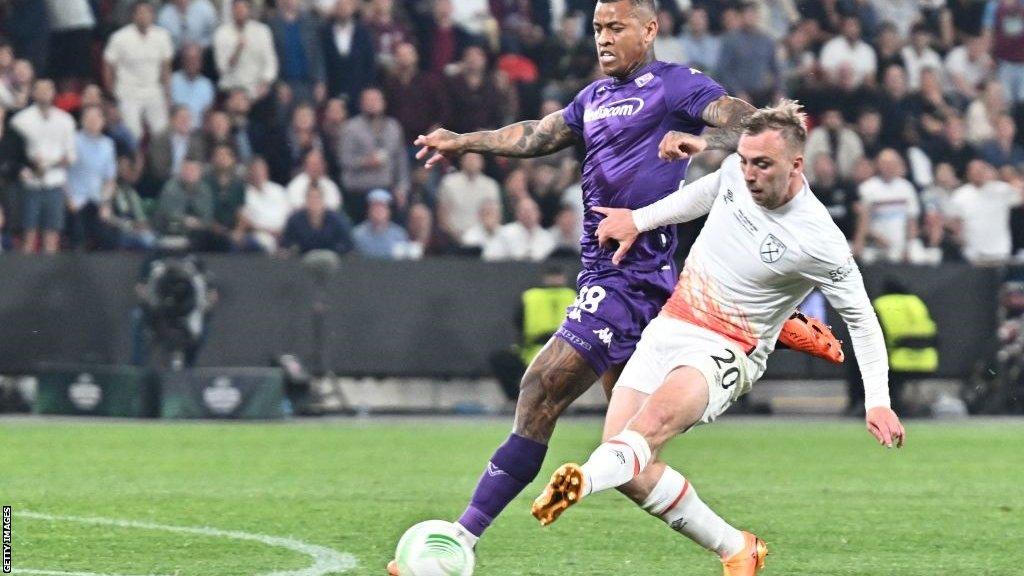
pixel 810 335
pixel 748 561
pixel 564 490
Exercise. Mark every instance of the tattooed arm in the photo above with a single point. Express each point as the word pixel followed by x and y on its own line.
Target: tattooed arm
pixel 724 116
pixel 522 139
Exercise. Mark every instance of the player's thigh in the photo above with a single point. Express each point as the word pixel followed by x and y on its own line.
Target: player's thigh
pixel 677 405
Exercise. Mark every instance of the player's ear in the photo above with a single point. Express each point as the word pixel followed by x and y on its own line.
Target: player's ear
pixel 798 165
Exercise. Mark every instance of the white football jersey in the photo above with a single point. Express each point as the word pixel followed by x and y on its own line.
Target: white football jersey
pixel 751 267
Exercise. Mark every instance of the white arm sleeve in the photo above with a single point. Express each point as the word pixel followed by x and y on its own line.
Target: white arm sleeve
pixel 690 201
pixel 835 272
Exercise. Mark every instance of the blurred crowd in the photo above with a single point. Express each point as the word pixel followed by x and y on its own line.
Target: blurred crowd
pixel 285 126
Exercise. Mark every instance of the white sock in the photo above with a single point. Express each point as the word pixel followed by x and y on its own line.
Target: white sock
pixel 467 537
pixel 675 501
pixel 616 462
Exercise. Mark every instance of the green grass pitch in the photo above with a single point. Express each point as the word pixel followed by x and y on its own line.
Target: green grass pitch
pixel 825 496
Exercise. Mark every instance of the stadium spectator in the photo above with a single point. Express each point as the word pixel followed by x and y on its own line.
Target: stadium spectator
pixel 747 65
pixel 334 115
pixel 1002 21
pixel 124 139
pixel 189 87
pixel 702 48
pixel 952 147
pixel 442 41
pixel 797 60
pixel 243 50
pixel 388 33
pixel 482 101
pixel 417 99
pixel 247 135
pixel 299 50
pixel 488 222
pixel 378 236
pixel 834 139
pixel 91 179
pixel 902 13
pixel 919 55
pixel 887 213
pixel 266 208
pixel 896 106
pixel 217 129
pixel 169 149
pixel 137 68
pixel 425 239
pixel 302 135
pixel 869 131
pixel 185 207
pixel 983 111
pixel 667 45
pixel 49 135
pixel 888 45
pixel 938 212
pixel 316 227
pixel 849 55
pixel 523 239
pixel 127 218
pixel 981 214
pixel 314 173
pixel 838 194
pixel 228 192
pixel 16 86
pixel 71 24
pixel 349 56
pixel 1003 150
pixel 567 230
pixel 189 22
pixel 566 59
pixel 28 27
pixel 461 194
pixel 474 16
pixel 968 65
pixel 372 154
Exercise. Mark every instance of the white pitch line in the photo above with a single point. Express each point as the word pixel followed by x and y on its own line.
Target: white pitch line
pixel 325 560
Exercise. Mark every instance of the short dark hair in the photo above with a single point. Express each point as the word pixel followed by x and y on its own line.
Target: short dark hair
pixel 786 117
pixel 648 4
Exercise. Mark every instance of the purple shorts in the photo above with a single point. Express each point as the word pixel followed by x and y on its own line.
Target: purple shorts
pixel 612 308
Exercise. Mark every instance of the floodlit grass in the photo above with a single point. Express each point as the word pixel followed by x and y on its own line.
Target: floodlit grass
pixel 825 496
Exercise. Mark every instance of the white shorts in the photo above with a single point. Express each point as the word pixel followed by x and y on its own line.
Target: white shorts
pixel 668 343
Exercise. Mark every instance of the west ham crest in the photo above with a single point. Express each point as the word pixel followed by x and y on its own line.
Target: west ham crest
pixel 772 249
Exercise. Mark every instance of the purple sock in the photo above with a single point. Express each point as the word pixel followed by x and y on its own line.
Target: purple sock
pixel 513 465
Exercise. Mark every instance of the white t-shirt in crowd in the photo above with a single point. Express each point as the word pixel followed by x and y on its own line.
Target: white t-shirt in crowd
pixel 299 185
pixel 138 60
pixel 891 206
pixel 985 215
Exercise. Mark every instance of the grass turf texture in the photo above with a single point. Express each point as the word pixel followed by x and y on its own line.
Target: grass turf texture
pixel 825 496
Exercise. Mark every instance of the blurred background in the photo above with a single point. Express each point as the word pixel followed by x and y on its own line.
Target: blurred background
pixel 211 208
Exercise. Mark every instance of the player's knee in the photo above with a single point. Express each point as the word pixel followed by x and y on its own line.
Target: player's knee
pixel 656 424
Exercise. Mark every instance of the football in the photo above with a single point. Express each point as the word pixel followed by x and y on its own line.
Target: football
pixel 433 548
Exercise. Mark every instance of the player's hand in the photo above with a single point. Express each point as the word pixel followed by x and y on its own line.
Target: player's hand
pixel 617 226
pixel 439 145
pixel 680 146
pixel 885 425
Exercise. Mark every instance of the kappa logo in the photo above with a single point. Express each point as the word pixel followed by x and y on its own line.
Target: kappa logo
pixel 772 249
pixel 494 471
pixel 624 107
pixel 605 335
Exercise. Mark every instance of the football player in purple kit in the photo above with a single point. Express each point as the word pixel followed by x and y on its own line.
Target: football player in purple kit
pixel 647 112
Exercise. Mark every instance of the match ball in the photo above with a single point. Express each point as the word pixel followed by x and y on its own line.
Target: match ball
pixel 433 548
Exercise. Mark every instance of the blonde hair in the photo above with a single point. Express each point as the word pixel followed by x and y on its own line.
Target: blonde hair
pixel 787 117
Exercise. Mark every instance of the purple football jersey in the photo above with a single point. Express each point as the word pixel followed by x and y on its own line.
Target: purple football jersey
pixel 622 122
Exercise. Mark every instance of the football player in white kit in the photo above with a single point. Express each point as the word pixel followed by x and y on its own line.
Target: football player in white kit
pixel 767 243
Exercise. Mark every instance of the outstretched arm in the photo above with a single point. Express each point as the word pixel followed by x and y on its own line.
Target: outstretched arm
pixel 724 117
pixel 522 139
